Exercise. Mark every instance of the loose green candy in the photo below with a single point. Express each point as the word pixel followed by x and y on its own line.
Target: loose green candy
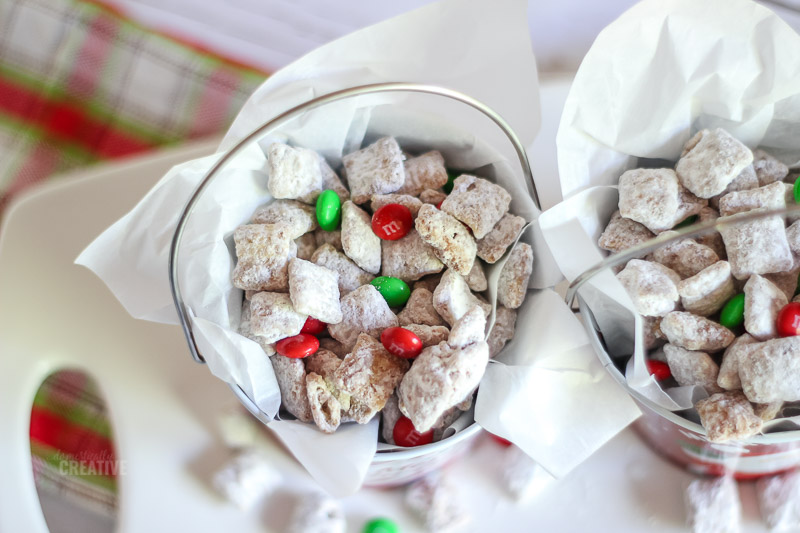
pixel 688 222
pixel 451 177
pixel 329 210
pixel 381 525
pixel 394 290
pixel 732 314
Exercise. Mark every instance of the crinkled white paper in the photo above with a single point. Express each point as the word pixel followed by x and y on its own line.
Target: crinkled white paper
pixel 662 71
pixel 479 48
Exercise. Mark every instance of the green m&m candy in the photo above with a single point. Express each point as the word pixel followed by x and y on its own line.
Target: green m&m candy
pixel 451 177
pixel 394 290
pixel 381 525
pixel 329 210
pixel 732 314
pixel 688 222
pixel 796 190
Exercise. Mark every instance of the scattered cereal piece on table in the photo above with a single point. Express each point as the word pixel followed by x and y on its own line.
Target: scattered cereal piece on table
pixel 779 500
pixel 263 252
pixel 477 202
pixel 358 240
pixel 237 427
pixel 711 160
pixel 434 500
pixel 695 333
pixel 376 169
pixel 452 243
pixel 317 512
pixel 651 286
pixel 273 317
pixel 728 416
pixel 452 298
pixel 713 505
pixel 351 277
pixel 291 377
pixel 246 478
pixel 762 302
pixel 293 172
pixel 314 291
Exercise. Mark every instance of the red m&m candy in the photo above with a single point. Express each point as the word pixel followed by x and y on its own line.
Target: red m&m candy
pixel 405 434
pixel 788 322
pixel 658 369
pixel 392 222
pixel 297 347
pixel 313 326
pixel 500 440
pixel 401 342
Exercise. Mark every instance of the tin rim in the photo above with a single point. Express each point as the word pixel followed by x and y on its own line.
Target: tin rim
pixel 381 456
pixel 272 125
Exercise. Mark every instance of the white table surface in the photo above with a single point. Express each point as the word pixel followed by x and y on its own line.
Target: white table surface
pixel 164 406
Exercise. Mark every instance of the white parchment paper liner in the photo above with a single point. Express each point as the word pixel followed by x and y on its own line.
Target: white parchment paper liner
pixel 479 48
pixel 653 78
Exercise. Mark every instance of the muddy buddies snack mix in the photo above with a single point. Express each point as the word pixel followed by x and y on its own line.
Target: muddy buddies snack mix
pixel 328 267
pixel 721 299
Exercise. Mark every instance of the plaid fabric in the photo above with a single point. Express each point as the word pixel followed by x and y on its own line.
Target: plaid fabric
pixel 80 83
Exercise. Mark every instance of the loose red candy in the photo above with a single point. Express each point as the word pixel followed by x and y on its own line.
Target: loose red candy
pixel 392 222
pixel 405 434
pixel 401 342
pixel 313 326
pixel 658 369
pixel 297 347
pixel 500 440
pixel 788 322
